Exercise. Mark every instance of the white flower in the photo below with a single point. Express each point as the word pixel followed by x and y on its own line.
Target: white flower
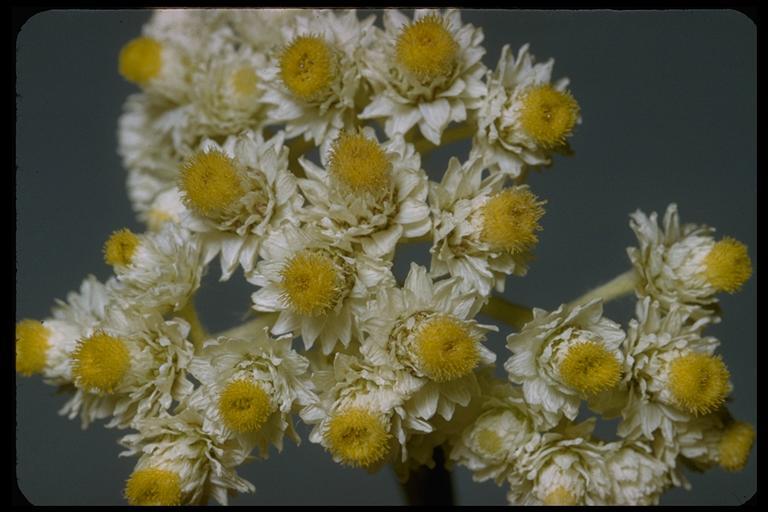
pixel 314 79
pixel 673 374
pixel 145 135
pixel 504 427
pixel 524 118
pixel 261 28
pixel 482 231
pixel 684 264
pixel 426 329
pixel 566 468
pixel 637 476
pixel 359 416
pixel 181 463
pixel 319 287
pixel 369 193
pixel 129 366
pixel 235 193
pixel 163 270
pixel 426 72
pixel 225 95
pixel 566 355
pixel 264 373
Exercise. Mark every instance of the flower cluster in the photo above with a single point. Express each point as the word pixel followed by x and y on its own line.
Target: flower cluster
pixel 288 145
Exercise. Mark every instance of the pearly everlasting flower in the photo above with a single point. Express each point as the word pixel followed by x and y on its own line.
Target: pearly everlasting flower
pixel 674 374
pixel 369 194
pixel 319 287
pixel 525 117
pixel 426 72
pixel 359 416
pixel 181 463
pixel 637 477
pixel 567 467
pixel 150 149
pixel 482 231
pixel 313 80
pixel 426 330
pixel 234 194
pixel 155 271
pixel 683 263
pixel 566 355
pixel 225 95
pixel 130 366
pixel 45 347
pixel 262 28
pixel 505 427
pixel 250 387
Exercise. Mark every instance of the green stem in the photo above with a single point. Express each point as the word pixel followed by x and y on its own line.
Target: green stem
pixel 619 286
pixel 507 312
pixel 197 332
pixel 458 132
pixel 248 328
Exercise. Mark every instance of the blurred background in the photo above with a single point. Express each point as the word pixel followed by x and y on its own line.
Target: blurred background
pixel 668 101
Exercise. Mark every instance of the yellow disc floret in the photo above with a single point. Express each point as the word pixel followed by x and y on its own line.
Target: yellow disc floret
pixel 560 496
pixel 359 163
pixel 244 81
pixel 31 347
pixel 308 68
pixel 548 115
pixel 211 183
pixel 153 487
pixel 489 441
pixel 310 283
pixel 698 382
pixel 141 60
pixel 119 249
pixel 427 49
pixel 100 362
pixel 446 349
pixel 244 406
pixel 735 445
pixel 357 437
pixel 511 220
pixel 589 367
pixel 727 266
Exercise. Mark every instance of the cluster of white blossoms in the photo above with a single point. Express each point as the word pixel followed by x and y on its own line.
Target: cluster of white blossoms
pixel 288 145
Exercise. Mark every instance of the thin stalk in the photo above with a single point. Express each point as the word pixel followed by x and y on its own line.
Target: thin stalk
pixel 459 132
pixel 619 286
pixel 250 327
pixel 430 487
pixel 507 312
pixel 197 332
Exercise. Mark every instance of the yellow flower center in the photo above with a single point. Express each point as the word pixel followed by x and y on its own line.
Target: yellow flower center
pixel 357 437
pixel 698 382
pixel 307 68
pixel 727 266
pixel 446 349
pixel 359 163
pixel 511 220
pixel 100 362
pixel 560 496
pixel 427 49
pixel 153 486
pixel 735 445
pixel 548 115
pixel 489 441
pixel 244 81
pixel 589 367
pixel 210 183
pixel 141 60
pixel 31 347
pixel 119 249
pixel 310 283
pixel 245 406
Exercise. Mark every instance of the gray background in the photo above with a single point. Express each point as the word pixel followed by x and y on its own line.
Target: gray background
pixel 669 107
